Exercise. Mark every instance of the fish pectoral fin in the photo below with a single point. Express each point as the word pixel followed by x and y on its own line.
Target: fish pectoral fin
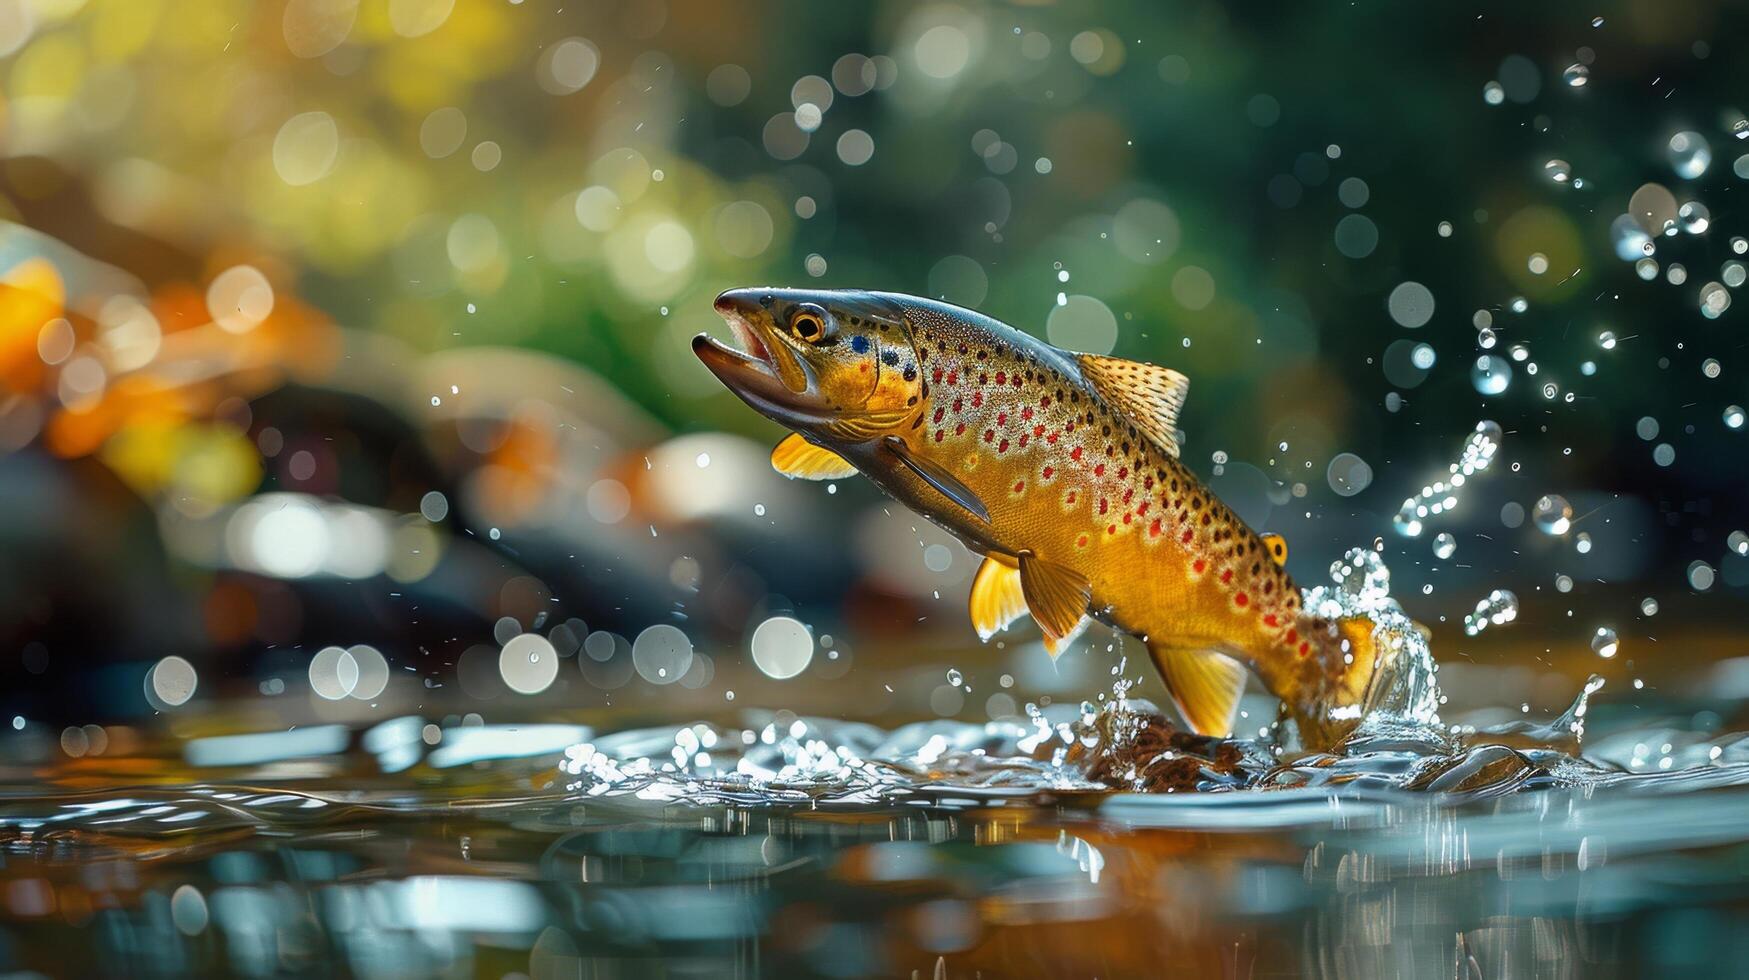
pixel 938 477
pixel 1057 647
pixel 1277 546
pixel 1056 595
pixel 1205 686
pixel 1148 395
pixel 997 599
pixel 799 459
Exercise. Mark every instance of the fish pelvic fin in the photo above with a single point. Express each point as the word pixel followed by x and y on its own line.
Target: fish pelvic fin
pixel 1056 647
pixel 1204 684
pixel 799 459
pixel 1056 595
pixel 997 598
pixel 1148 395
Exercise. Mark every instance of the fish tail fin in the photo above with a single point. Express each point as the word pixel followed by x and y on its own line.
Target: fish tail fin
pixel 1358 666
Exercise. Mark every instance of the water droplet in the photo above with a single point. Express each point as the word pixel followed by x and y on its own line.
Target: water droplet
pixel 1689 154
pixel 954 677
pixel 1485 338
pixel 1649 606
pixel 1550 389
pixel 1348 474
pixel 1576 75
pixel 1559 171
pixel 1498 608
pixel 1700 576
pixel 1491 374
pixel 1552 514
pixel 1444 545
pixel 1606 340
pixel 1710 367
pixel 1694 217
pixel 1604 642
pixel 1714 300
pixel 1734 416
pixel 1478 452
pixel 1738 542
pixel 1493 93
pixel 1628 238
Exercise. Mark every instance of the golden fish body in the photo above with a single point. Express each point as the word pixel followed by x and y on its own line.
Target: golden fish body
pixel 1062 469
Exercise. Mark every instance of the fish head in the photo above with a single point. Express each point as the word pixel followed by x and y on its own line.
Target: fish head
pixel 841 365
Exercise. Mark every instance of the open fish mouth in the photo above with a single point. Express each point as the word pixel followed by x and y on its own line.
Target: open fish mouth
pixel 767 375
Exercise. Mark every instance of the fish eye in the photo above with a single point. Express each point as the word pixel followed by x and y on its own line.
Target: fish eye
pixel 809 323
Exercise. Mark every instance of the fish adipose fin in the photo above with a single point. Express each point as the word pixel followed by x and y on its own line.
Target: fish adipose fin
pixel 938 477
pixel 799 459
pixel 1204 685
pixel 1056 595
pixel 1148 395
pixel 1277 546
pixel 997 599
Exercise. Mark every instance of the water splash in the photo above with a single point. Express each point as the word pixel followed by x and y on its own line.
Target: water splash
pixel 1479 450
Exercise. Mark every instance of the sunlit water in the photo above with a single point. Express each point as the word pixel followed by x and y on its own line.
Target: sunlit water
pixel 1087 840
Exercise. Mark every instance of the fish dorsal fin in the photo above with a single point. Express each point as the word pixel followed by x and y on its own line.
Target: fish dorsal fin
pixel 1057 647
pixel 1146 394
pixel 1276 545
pixel 938 477
pixel 997 599
pixel 1205 685
pixel 1056 595
pixel 799 459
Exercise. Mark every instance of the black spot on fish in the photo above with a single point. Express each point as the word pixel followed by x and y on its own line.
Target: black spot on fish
pixel 890 358
pixel 910 373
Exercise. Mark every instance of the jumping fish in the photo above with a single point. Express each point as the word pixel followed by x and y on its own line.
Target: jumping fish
pixel 1062 469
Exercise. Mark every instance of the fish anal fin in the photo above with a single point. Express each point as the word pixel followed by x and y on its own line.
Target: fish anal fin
pixel 799 459
pixel 1276 545
pixel 1056 595
pixel 1205 686
pixel 1148 395
pixel 937 476
pixel 1057 646
pixel 997 598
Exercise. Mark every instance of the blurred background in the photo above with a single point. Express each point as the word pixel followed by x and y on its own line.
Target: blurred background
pixel 344 364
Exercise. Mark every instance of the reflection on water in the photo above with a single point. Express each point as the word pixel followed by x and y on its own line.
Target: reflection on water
pixel 790 846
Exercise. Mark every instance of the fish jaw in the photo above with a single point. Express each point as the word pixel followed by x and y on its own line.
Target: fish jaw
pixel 766 374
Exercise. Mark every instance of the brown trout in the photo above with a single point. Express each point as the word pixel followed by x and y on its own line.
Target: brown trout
pixel 1062 469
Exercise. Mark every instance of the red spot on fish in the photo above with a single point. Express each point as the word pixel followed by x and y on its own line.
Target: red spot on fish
pixel 1019 485
pixel 1127 494
pixel 1111 530
pixel 1293 636
pixel 1023 439
pixel 1075 454
pixel 1123 471
pixel 1103 505
pixel 1081 541
pixel 1270 620
pixel 1001 377
pixel 1002 446
pixel 957 405
pixel 938 434
pixel 940 414
pixel 960 429
pixel 1199 566
pixel 1052 438
pixel 977 398
pixel 1227 576
pixel 862 368
pixel 1242 600
pixel 1154 528
pixel 1305 648
pixel 1047 473
pixel 1038 430
pixel 1016 381
pixel 1186 540
pixel 1147 483
pixel 1026 413
pixel 1045 402
pixel 936 376
pixel 1099 470
pixel 953 377
pixel 1142 508
pixel 1126 518
pixel 989 435
pixel 1069 497
pixel 1001 418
